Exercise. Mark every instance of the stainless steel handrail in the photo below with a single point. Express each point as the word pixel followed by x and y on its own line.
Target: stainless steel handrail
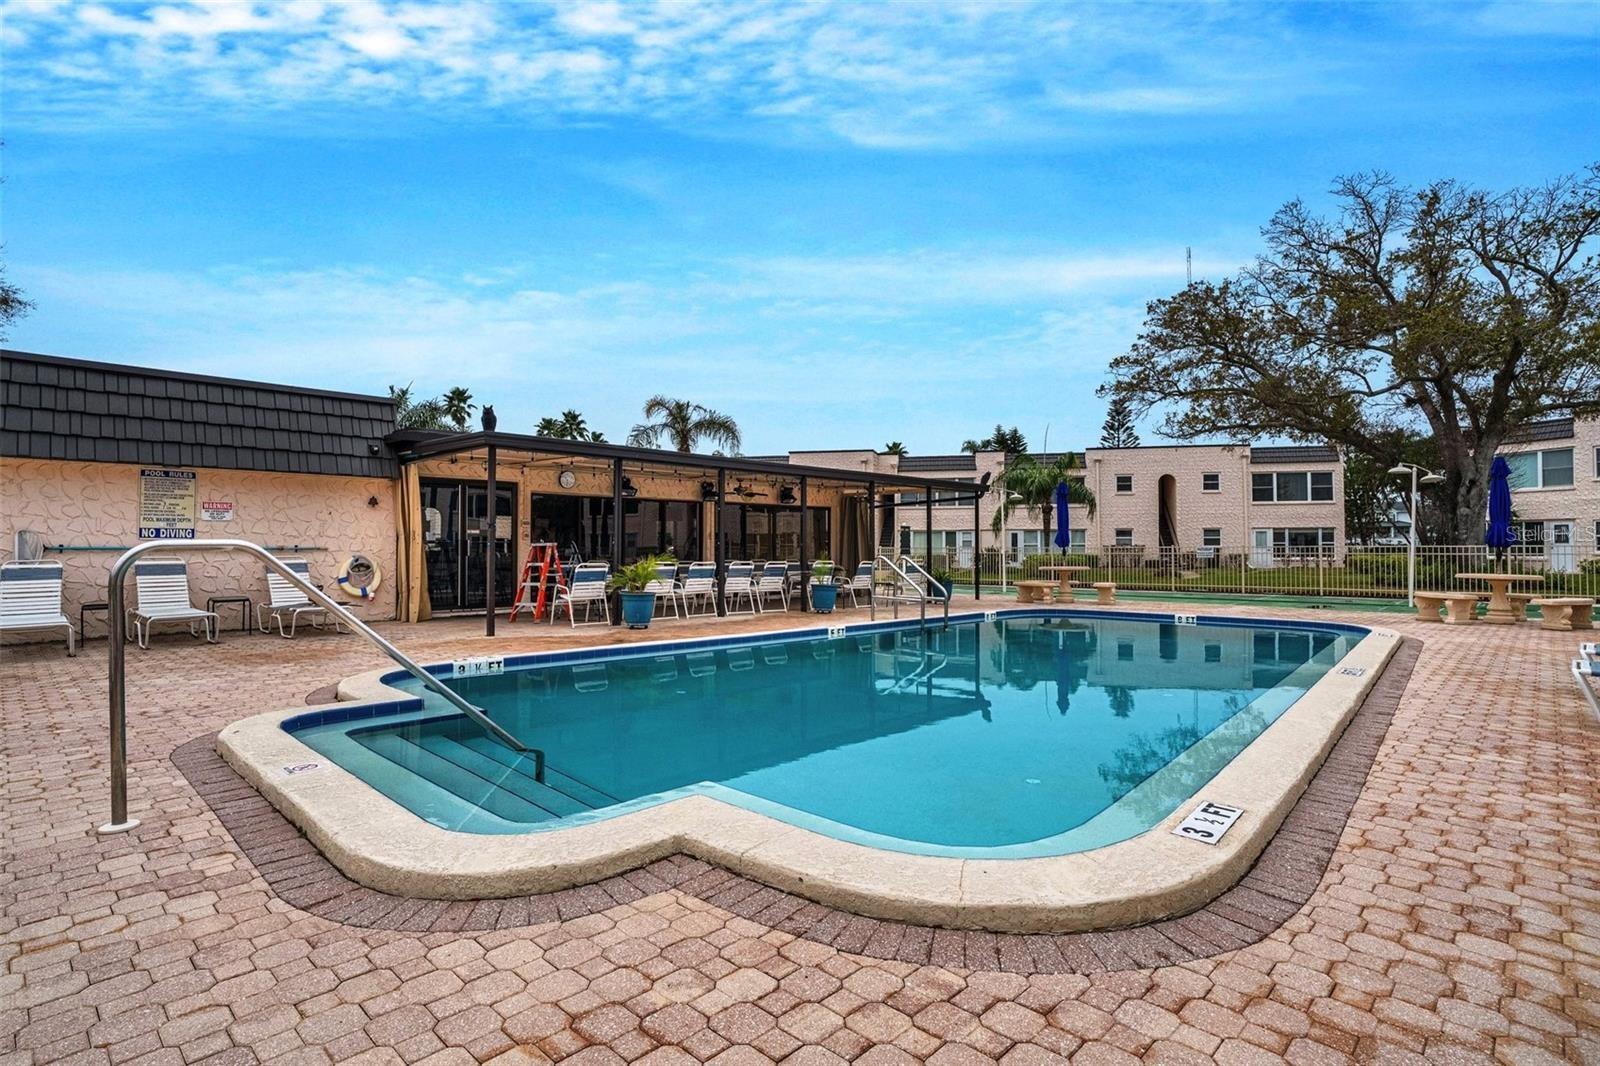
pixel 912 565
pixel 117 622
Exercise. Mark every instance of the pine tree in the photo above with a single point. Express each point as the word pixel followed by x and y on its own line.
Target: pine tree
pixel 1118 431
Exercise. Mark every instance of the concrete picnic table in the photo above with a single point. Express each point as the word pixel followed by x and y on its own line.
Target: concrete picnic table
pixel 1066 573
pixel 1500 612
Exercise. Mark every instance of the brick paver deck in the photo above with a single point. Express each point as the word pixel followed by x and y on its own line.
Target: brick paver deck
pixel 1458 919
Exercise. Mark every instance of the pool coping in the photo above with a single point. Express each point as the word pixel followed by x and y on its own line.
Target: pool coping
pixel 1152 876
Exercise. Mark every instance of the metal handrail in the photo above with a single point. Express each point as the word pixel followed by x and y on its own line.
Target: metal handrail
pixel 117 622
pixel 911 565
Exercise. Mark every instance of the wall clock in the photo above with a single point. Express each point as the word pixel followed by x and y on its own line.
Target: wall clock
pixel 568 479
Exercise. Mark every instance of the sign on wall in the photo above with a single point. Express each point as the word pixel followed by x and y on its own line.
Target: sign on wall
pixel 216 510
pixel 166 504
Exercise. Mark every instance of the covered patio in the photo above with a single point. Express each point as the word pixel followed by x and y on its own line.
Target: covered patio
pixel 612 503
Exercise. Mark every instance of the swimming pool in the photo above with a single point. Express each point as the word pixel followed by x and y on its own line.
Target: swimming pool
pixel 1023 735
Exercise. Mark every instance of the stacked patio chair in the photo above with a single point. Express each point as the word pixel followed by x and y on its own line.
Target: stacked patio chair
pixel 665 586
pixel 740 582
pixel 586 586
pixel 699 587
pixel 162 588
pixel 1586 670
pixel 287 599
pixel 860 581
pixel 30 598
pixel 774 581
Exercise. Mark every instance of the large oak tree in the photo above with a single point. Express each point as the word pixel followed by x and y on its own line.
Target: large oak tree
pixel 1444 309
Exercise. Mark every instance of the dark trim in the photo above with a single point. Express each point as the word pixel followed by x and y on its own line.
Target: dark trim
pixel 413 445
pixel 181 375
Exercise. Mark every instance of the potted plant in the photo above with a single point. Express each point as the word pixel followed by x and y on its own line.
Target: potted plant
pixel 631 582
pixel 824 593
pixel 942 585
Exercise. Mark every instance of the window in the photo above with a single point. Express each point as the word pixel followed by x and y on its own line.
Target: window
pixel 1211 538
pixel 1294 486
pixel 1597 535
pixel 1124 482
pixel 1303 541
pixel 1124 538
pixel 954 544
pixel 1550 469
pixel 1597 462
pixel 1210 482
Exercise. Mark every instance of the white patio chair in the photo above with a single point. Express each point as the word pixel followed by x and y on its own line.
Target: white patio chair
pixel 860 581
pixel 774 581
pixel 30 598
pixel 699 586
pixel 1586 671
pixel 287 599
pixel 740 582
pixel 587 586
pixel 162 588
pixel 665 586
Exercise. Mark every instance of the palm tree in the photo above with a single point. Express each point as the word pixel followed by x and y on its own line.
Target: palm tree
pixel 570 426
pixel 457 406
pixel 894 447
pixel 417 414
pixel 1034 485
pixel 684 424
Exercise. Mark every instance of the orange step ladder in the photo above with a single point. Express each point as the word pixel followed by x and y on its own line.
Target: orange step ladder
pixel 547 557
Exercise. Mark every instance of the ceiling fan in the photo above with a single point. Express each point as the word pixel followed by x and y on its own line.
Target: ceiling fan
pixel 745 492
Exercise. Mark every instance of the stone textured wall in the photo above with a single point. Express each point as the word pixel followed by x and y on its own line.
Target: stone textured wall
pixel 97 504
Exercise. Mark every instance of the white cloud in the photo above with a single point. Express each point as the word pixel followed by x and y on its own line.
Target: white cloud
pixel 874 74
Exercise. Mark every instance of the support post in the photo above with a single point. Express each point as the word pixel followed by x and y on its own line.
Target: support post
pixel 616 536
pixel 927 532
pixel 721 556
pixel 492 507
pixel 977 549
pixel 805 548
pixel 872 523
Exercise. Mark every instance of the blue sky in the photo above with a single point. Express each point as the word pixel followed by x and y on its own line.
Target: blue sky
pixel 840 223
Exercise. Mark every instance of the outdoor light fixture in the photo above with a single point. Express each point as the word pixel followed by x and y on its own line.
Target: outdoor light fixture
pixel 372 501
pixel 1428 478
pixel 628 487
pixel 708 490
pixel 786 495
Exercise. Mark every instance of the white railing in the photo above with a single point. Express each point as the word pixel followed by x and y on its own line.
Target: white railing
pixel 1375 572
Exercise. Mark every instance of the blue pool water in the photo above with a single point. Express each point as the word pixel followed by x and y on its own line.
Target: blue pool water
pixel 1021 735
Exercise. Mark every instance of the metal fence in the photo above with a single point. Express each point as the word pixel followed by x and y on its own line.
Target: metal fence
pixel 1360 572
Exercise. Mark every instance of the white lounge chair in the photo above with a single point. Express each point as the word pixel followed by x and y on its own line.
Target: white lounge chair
pixel 860 581
pixel 587 586
pixel 699 586
pixel 1587 668
pixel 163 594
pixel 287 599
pixel 740 581
pixel 774 582
pixel 30 598
pixel 665 586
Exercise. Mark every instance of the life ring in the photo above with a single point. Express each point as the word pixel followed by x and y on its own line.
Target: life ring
pixel 359 577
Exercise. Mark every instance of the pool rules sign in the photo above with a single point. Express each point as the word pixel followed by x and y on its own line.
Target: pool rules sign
pixel 166 504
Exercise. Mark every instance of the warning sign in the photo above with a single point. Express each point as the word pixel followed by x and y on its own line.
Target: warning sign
pixel 216 510
pixel 166 504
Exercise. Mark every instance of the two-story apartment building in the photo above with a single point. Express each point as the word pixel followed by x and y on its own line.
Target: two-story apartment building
pixel 1555 489
pixel 1270 501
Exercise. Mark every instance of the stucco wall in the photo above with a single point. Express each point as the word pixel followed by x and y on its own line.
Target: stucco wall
pixel 97 504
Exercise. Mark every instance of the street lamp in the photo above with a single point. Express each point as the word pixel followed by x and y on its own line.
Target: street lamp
pixel 1428 478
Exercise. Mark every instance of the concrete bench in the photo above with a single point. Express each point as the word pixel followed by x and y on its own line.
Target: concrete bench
pixel 1565 612
pixel 1105 592
pixel 1037 591
pixel 1461 607
pixel 1519 602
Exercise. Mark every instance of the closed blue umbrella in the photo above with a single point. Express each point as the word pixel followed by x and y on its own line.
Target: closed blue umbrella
pixel 1500 535
pixel 1063 535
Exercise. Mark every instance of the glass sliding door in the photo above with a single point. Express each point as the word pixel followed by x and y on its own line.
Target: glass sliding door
pixel 458 532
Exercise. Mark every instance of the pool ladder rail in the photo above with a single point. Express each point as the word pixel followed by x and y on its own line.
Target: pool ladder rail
pixel 902 587
pixel 117 620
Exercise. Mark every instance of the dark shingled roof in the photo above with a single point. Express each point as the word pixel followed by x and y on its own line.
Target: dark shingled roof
pixel 910 464
pixel 1548 429
pixel 75 409
pixel 1293 453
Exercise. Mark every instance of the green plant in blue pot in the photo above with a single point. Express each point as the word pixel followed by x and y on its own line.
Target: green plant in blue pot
pixel 824 593
pixel 633 584
pixel 943 583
